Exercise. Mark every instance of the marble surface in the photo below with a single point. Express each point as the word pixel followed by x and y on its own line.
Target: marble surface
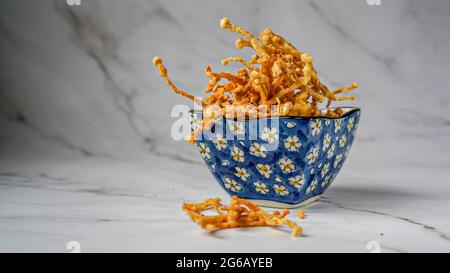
pixel 85 147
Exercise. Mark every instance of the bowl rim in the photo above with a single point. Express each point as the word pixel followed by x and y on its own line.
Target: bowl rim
pixel 349 111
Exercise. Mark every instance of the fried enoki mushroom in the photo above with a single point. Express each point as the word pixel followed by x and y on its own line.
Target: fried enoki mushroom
pixel 240 213
pixel 276 75
pixel 300 214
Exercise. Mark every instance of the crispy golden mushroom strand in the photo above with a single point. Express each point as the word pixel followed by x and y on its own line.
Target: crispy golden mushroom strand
pixel 277 74
pixel 240 213
pixel 157 61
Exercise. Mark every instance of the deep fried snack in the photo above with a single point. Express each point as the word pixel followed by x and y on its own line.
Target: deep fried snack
pixel 157 61
pixel 278 74
pixel 300 214
pixel 240 213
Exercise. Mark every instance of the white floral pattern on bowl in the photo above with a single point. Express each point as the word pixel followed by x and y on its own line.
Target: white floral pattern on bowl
pixel 310 153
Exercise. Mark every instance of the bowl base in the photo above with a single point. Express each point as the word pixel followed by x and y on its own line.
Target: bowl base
pixel 281 205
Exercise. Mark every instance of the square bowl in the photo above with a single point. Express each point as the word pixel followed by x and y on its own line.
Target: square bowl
pixel 283 162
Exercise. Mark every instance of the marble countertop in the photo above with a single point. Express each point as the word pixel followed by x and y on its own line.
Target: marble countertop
pixel 115 205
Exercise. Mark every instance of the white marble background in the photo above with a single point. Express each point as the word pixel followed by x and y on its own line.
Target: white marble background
pixel 85 146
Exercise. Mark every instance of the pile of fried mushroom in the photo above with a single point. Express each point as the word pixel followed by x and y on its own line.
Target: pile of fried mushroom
pixel 278 80
pixel 240 213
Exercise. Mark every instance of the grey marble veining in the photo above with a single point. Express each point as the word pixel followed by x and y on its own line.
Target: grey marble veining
pixel 85 146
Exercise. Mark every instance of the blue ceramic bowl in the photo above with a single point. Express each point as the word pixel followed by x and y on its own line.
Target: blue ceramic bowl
pixel 278 162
